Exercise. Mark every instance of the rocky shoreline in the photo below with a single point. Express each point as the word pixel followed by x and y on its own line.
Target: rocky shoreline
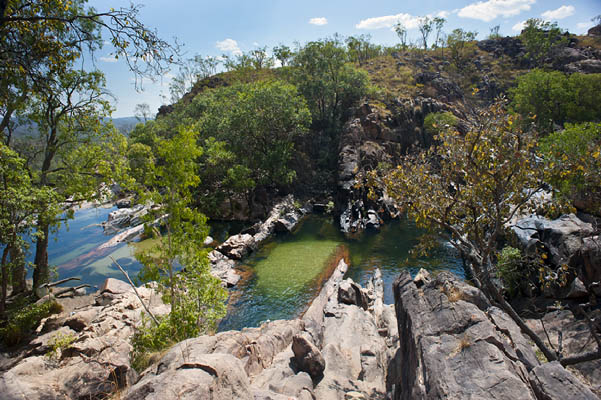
pixel 441 339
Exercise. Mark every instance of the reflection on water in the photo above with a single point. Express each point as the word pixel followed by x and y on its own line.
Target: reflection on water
pixel 283 276
pixel 278 281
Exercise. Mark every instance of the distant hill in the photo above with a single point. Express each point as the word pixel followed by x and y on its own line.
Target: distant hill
pixel 123 124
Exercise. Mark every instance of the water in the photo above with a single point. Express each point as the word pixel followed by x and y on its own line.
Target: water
pixel 281 279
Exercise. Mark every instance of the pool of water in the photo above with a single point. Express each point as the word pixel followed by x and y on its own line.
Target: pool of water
pixel 280 279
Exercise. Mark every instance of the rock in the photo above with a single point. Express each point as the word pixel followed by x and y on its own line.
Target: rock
pixel 373 220
pixel 577 290
pixel 510 46
pixel 308 357
pixel 450 348
pixel 95 363
pixel 446 88
pixel 287 222
pixel 594 31
pixel 208 241
pixel 237 246
pixel 551 381
pixel 590 66
pixel 115 286
pixel 123 203
pixel 223 268
pixel 421 278
pixel 351 293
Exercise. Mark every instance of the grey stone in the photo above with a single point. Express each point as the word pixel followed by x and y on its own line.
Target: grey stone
pixel 551 381
pixel 308 357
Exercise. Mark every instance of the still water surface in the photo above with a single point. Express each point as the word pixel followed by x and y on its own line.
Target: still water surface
pixel 279 280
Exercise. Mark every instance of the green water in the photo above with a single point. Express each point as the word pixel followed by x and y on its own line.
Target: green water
pixel 281 279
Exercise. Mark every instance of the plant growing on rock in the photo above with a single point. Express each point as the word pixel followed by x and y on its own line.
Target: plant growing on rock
pixel 196 297
pixel 466 189
pixel 539 38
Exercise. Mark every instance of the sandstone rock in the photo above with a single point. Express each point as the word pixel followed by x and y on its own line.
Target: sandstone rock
pixel 551 381
pixel 123 203
pixel 577 290
pixel 450 348
pixel 308 357
pixel 237 246
pixel 115 286
pixel 351 293
pixel 223 268
pixel 286 223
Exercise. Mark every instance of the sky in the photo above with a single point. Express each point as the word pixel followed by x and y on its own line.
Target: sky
pixel 216 27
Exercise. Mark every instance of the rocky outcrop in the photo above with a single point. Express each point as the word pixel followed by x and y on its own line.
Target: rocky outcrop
pixel 453 344
pixel 380 135
pixel 94 359
pixel 334 351
pixel 576 338
pixel 567 241
pixel 509 46
pixel 284 217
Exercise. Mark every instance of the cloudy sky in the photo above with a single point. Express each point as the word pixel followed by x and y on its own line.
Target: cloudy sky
pixel 233 26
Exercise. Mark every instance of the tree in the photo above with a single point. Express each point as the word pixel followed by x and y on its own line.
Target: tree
pixel 259 123
pixel 283 54
pixel 401 32
pixel 425 27
pixel 260 59
pixel 494 32
pixel 460 45
pixel 466 189
pixel 438 25
pixel 539 38
pixel 19 201
pixel 360 49
pixel 196 297
pixel 74 151
pixel 142 112
pixel 553 98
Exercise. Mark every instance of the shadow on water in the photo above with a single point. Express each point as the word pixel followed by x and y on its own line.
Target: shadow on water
pixel 280 280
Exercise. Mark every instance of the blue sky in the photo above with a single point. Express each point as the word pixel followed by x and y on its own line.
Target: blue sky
pixel 229 26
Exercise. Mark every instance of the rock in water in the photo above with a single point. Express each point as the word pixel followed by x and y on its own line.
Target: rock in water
pixel 308 357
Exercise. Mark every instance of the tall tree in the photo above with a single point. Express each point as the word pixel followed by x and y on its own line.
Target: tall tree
pixel 425 26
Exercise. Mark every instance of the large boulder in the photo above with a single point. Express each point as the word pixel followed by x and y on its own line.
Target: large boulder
pixel 307 356
pixel 551 381
pixel 238 246
pixel 451 348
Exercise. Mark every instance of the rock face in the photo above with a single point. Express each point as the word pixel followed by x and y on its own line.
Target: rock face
pixel 95 363
pixel 452 348
pixel 377 135
pixel 551 381
pixel 568 240
pixel 334 351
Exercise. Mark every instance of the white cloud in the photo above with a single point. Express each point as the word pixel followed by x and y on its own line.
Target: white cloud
pixel 318 21
pixel 109 59
pixel 443 14
pixel 519 26
pixel 584 26
pixel 488 10
pixel 229 45
pixel 561 12
pixel 409 21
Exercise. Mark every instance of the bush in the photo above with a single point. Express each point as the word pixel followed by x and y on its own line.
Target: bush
pixel 23 321
pixel 434 123
pixel 510 266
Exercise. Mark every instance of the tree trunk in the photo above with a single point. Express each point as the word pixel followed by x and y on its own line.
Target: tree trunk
pixel 18 270
pixel 41 272
pixel 4 287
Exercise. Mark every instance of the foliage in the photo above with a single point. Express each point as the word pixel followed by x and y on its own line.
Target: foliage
pixel 401 32
pixel 283 54
pixel 22 321
pixel 572 157
pixel 539 38
pixel 360 49
pixel 461 45
pixel 467 188
pixel 434 123
pixel 327 82
pixel 555 98
pixel 196 297
pixel 494 32
pixel 59 344
pixel 511 269
pixel 425 26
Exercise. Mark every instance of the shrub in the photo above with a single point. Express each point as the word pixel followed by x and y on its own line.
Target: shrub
pixel 434 123
pixel 21 322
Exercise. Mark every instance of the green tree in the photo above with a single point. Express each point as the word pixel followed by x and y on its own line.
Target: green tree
pixel 260 59
pixel 259 123
pixel 461 47
pixel 401 32
pixel 494 32
pixel 467 189
pixel 425 26
pixel 329 84
pixel 283 54
pixel 74 151
pixel 438 25
pixel 555 98
pixel 196 297
pixel 539 38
